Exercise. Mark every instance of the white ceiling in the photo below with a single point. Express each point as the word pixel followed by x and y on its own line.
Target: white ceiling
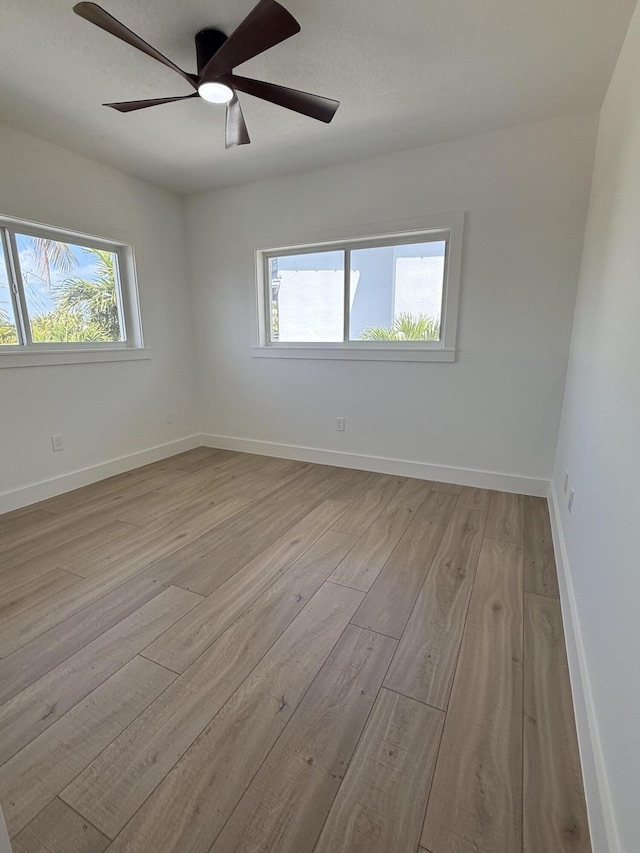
pixel 408 73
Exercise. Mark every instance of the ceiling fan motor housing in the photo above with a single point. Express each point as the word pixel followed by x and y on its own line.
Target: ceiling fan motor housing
pixel 208 42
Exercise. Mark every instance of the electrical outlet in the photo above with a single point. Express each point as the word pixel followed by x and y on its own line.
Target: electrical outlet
pixel 168 415
pixel 566 482
pixel 56 442
pixel 571 494
pixel 340 424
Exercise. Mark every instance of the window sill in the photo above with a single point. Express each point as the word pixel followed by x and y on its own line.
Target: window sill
pixel 45 357
pixel 355 353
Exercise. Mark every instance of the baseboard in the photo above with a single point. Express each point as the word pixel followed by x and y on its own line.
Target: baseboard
pixel 44 489
pixel 67 482
pixel 384 465
pixel 604 836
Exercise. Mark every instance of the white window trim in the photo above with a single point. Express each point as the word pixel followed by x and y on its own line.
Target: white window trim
pixel 44 357
pixel 444 350
pixel 42 354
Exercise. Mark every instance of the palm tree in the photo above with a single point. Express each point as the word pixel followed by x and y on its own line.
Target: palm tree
pixel 406 327
pixel 52 253
pixel 96 300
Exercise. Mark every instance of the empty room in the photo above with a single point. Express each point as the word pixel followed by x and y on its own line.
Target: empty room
pixel 319 423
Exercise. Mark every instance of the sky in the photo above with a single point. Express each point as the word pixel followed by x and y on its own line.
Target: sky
pixel 39 292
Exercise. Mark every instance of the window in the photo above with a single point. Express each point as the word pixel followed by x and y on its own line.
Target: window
pixel 62 291
pixel 386 297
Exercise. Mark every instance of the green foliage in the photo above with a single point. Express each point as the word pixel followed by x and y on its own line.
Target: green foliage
pixel 84 310
pixel 95 300
pixel 65 327
pixel 56 327
pixel 406 327
pixel 7 329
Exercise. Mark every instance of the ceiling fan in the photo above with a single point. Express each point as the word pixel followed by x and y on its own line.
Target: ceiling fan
pixel 266 25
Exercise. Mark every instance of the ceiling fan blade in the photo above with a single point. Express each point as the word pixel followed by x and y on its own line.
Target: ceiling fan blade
pixel 96 15
pixel 315 106
pixel 130 106
pixel 235 129
pixel 266 25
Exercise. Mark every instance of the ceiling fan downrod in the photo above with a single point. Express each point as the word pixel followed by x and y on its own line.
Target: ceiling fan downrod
pixel 208 42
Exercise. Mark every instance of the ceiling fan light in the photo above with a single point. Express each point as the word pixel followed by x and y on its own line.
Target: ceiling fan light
pixel 215 93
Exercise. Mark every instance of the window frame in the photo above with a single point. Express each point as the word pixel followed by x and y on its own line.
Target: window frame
pixel 446 227
pixel 29 353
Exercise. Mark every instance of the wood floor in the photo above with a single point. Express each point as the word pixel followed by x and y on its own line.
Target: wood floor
pixel 226 653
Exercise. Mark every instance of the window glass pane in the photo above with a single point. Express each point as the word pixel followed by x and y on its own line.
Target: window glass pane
pixel 395 292
pixel 72 292
pixel 307 297
pixel 8 333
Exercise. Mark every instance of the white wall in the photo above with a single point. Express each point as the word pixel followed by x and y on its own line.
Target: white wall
pixel 599 446
pixel 103 411
pixel 497 409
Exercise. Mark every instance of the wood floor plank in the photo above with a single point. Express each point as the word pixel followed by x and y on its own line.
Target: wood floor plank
pixel 61 531
pixel 278 539
pixel 121 486
pixel 398 750
pixel 44 652
pixel 263 483
pixel 111 789
pixel 101 495
pixel 21 524
pixel 364 562
pixel 152 506
pixel 364 512
pixel 540 575
pixel 111 496
pixel 198 454
pixel 189 637
pixel 152 545
pixel 473 498
pixel 12 579
pixel 211 559
pixel 204 457
pixel 33 777
pixel 23 518
pixel 351 485
pixel 64 555
pixel 411 494
pixel 447 488
pixel 231 460
pixel 43 702
pixel 58 829
pixel 208 483
pixel 23 597
pixel 17 542
pixel 218 481
pixel 304 482
pixel 156 541
pixel 285 806
pixel 555 816
pixel 424 664
pixel 190 806
pixel 439 532
pixel 476 797
pixel 325 481
pixel 506 518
